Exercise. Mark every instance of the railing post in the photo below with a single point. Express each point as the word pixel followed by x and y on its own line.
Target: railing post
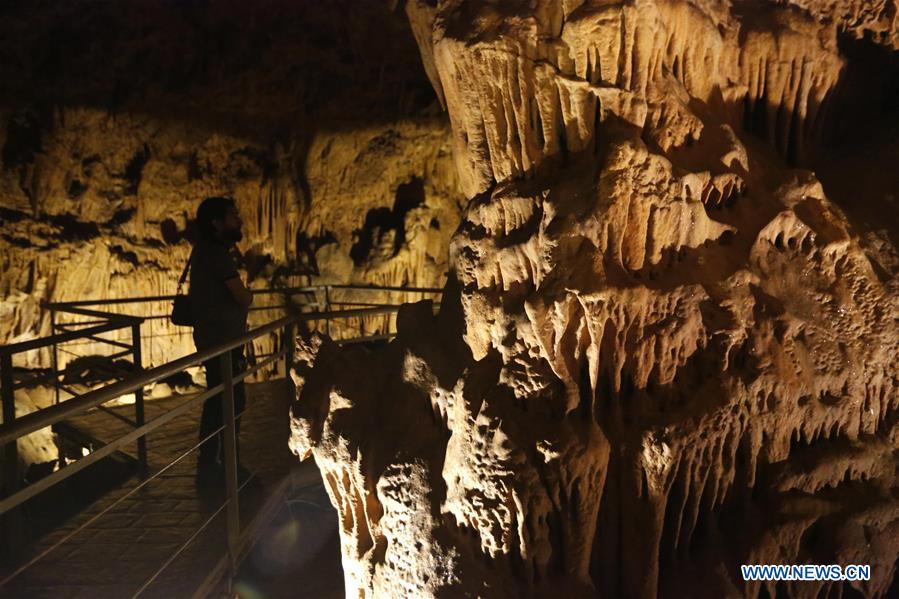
pixel 328 310
pixel 12 523
pixel 55 356
pixel 230 435
pixel 137 353
pixel 289 339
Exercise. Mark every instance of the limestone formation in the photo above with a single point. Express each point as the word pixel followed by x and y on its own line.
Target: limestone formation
pixel 665 349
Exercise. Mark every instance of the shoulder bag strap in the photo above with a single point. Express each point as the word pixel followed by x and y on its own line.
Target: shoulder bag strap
pixel 184 274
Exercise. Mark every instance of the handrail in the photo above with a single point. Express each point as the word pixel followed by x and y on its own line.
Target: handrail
pixel 155 298
pixel 11 501
pixel 98 314
pixel 270 291
pixel 24 346
pixel 77 307
pixel 140 431
pixel 34 421
pixel 107 302
pixel 386 288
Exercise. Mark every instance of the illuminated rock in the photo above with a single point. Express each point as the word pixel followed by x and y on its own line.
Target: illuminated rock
pixel 662 352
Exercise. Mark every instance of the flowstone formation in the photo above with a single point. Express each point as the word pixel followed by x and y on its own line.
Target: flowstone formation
pixel 664 350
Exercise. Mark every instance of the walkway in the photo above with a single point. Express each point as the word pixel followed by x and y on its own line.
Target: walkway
pixel 119 553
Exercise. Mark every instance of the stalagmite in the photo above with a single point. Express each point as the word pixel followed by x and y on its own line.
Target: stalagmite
pixel 662 351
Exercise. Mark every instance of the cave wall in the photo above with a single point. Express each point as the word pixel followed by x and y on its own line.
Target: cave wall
pixel 117 119
pixel 667 346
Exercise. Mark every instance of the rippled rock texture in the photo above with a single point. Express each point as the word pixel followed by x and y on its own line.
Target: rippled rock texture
pixel 669 344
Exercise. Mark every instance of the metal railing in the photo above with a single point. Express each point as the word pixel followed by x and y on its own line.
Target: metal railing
pixel 12 521
pixel 322 298
pixel 14 428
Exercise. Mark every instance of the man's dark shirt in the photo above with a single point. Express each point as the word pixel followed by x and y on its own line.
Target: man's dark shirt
pixel 217 315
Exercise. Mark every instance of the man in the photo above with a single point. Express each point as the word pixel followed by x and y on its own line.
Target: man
pixel 219 302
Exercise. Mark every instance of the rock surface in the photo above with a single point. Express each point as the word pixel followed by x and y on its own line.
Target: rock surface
pixel 665 348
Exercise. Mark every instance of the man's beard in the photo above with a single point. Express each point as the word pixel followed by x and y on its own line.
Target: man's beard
pixel 232 235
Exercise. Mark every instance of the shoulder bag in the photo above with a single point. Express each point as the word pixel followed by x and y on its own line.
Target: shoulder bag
pixel 181 312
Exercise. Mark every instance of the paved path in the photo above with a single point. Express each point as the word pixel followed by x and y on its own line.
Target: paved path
pixel 119 552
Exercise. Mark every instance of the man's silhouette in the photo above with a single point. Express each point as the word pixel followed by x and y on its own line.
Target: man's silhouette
pixel 219 302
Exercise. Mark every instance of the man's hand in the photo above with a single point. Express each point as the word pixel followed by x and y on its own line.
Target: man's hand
pixel 239 292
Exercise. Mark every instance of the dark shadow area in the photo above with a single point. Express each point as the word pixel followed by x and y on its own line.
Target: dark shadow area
pixel 867 95
pixel 307 246
pixel 266 70
pixel 856 164
pixel 72 229
pixel 23 138
pixel 381 222
pixel 170 233
pixel 90 370
pixel 135 168
pixel 52 508
pixel 301 544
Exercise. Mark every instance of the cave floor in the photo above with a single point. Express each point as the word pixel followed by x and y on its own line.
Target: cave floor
pixel 288 527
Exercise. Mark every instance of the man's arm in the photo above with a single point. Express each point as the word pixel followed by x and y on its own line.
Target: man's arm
pixel 239 292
